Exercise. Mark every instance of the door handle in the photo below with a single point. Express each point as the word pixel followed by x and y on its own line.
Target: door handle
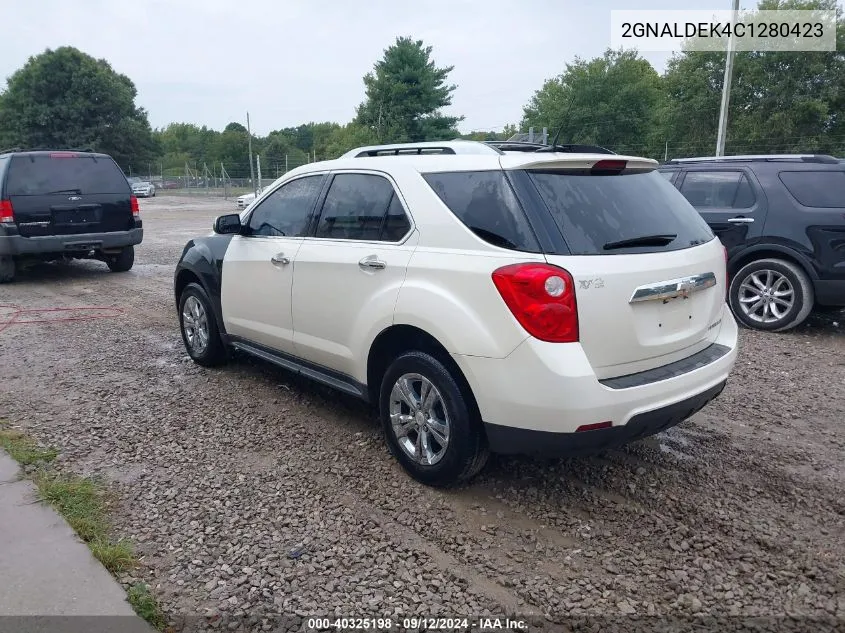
pixel 279 258
pixel 372 262
pixel 741 220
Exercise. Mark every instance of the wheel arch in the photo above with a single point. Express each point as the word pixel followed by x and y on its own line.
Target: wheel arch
pixel 399 338
pixel 771 251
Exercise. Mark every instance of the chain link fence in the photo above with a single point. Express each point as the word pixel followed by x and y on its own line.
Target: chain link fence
pixel 204 179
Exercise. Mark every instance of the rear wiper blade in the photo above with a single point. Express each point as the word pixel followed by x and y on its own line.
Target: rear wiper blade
pixel 76 191
pixel 644 240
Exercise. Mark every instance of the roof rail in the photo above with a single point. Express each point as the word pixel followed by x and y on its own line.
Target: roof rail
pixel 567 148
pixel 14 150
pixel 423 148
pixel 806 158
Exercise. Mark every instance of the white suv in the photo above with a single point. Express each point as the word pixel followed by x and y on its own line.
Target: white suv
pixel 514 301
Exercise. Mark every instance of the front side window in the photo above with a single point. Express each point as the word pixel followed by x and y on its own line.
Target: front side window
pixel 718 189
pixel 285 212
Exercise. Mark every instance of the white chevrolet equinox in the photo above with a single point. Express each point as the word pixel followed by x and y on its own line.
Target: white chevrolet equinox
pixel 483 298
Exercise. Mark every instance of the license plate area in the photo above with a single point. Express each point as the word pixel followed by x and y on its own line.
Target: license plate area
pixel 76 216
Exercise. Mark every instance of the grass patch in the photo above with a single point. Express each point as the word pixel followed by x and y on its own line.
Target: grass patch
pixel 82 502
pixel 25 450
pixel 145 605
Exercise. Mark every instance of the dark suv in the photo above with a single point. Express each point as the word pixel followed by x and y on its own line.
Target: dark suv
pixel 57 204
pixel 782 220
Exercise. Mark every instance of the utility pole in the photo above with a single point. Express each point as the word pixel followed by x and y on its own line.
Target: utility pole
pixel 666 153
pixel 726 87
pixel 258 160
pixel 251 169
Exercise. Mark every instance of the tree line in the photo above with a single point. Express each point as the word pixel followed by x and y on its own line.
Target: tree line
pixel 780 102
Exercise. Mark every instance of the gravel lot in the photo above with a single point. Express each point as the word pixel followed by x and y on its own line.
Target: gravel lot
pixel 249 493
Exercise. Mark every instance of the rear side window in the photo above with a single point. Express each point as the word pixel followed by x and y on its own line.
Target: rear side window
pixel 486 204
pixel 362 207
pixel 601 214
pixel 822 189
pixel 64 172
pixel 718 189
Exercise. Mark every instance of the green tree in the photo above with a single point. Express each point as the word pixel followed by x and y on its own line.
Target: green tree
pixel 347 137
pixel 64 98
pixel 405 94
pixel 611 101
pixel 781 102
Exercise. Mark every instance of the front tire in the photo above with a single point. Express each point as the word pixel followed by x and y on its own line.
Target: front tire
pixel 428 421
pixel 772 295
pixel 198 326
pixel 122 262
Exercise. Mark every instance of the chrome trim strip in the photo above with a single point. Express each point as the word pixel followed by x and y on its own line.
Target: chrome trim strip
pixel 674 288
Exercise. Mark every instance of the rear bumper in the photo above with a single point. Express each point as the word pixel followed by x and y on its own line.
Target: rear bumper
pixel 830 292
pixel 511 440
pixel 13 244
pixel 534 400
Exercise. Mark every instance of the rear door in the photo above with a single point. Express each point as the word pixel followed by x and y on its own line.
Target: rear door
pixel 347 277
pixel 66 193
pixel 649 275
pixel 730 200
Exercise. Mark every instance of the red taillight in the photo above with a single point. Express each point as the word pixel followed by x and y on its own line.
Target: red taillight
pixel 7 214
pixel 136 209
pixel 610 166
pixel 542 298
pixel 594 427
pixel 63 155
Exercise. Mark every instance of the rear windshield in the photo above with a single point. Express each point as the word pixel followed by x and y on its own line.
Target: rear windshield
pixel 43 174
pixel 821 189
pixel 599 214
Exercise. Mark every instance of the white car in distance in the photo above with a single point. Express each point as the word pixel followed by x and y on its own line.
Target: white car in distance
pixel 248 198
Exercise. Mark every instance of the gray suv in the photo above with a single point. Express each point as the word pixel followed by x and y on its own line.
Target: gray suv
pixel 57 204
pixel 782 220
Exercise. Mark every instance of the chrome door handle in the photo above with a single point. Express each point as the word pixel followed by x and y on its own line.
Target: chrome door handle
pixel 741 220
pixel 372 262
pixel 279 258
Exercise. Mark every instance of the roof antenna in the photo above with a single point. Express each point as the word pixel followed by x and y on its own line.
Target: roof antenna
pixel 550 148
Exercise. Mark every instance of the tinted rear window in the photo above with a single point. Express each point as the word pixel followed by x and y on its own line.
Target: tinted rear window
pixel 823 189
pixel 41 174
pixel 593 211
pixel 486 204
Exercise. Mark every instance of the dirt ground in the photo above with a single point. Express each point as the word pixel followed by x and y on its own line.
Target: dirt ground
pixel 249 493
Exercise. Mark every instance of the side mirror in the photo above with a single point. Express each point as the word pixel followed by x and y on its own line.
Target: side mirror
pixel 226 224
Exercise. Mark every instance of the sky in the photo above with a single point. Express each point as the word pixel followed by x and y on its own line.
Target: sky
pixel 288 62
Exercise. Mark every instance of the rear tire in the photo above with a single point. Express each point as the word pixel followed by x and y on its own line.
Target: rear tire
pixel 7 269
pixel 122 262
pixel 198 326
pixel 428 422
pixel 772 295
